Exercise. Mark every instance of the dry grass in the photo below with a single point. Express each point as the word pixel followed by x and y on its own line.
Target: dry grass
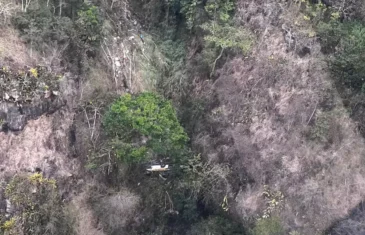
pixel 13 51
pixel 7 9
pixel 37 146
pixel 117 210
pixel 86 222
pixel 267 104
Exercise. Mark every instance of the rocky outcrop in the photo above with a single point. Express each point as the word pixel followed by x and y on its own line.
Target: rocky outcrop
pixel 14 117
pixel 27 94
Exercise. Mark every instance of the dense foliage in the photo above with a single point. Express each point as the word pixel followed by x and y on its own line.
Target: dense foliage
pixel 89 25
pixel 72 33
pixel 37 207
pixel 348 41
pixel 144 126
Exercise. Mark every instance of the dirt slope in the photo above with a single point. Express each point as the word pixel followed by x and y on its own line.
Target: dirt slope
pixel 281 123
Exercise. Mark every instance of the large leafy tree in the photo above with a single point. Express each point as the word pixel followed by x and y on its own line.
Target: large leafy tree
pixel 144 126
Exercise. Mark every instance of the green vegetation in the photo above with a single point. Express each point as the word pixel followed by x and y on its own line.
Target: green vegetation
pixel 190 8
pixel 226 37
pixel 321 129
pixel 221 34
pixel 40 27
pixel 8 224
pixel 29 83
pixel 45 30
pixel 144 126
pixel 268 226
pixel 89 25
pixel 348 42
pixel 316 12
pixel 205 181
pixel 37 207
pixel 216 225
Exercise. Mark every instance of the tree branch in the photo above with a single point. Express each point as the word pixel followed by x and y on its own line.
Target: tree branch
pixel 215 62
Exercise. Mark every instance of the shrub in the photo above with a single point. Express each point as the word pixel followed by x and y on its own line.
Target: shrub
pixel 348 40
pixel 42 28
pixel 268 226
pixel 37 206
pixel 144 123
pixel 116 211
pixel 39 27
pixel 89 25
pixel 205 180
pixel 9 224
pixel 226 36
pixel 192 12
pixel 220 32
pixel 217 225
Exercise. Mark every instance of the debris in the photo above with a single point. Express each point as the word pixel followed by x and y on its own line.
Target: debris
pixel 47 94
pixel 163 178
pixel 9 208
pixel 158 168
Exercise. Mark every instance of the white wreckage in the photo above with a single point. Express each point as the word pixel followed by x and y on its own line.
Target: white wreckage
pixel 158 168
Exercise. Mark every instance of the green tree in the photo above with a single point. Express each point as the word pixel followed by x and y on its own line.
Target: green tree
pixel 224 36
pixel 191 10
pixel 144 126
pixel 220 33
pixel 89 25
pixel 348 41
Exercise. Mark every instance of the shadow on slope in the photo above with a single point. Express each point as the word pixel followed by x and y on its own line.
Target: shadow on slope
pixel 353 224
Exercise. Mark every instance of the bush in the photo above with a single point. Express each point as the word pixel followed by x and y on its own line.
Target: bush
pixel 217 225
pixel 144 124
pixel 42 28
pixel 226 36
pixel 39 27
pixel 116 211
pixel 348 41
pixel 269 226
pixel 37 207
pixel 89 25
pixel 221 34
pixel 205 181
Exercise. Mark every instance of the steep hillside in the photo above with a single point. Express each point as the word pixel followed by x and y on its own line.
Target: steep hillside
pixel 282 126
pixel 182 117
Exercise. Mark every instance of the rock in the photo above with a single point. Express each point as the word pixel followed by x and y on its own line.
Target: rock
pixel 16 121
pixel 15 118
